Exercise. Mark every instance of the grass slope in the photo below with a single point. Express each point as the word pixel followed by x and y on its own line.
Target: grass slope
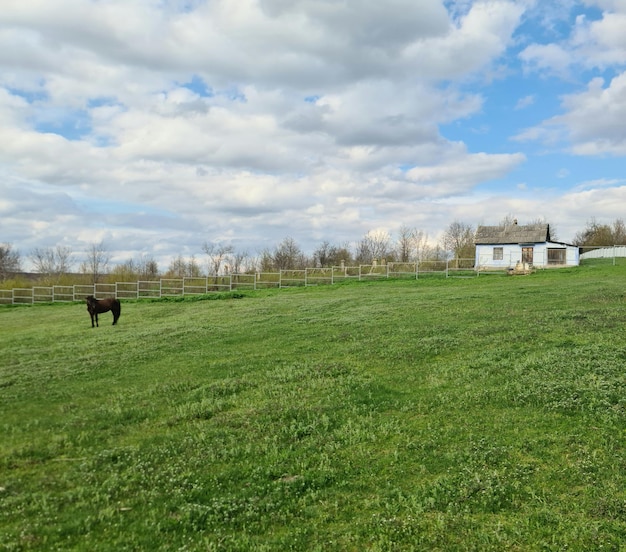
pixel 479 414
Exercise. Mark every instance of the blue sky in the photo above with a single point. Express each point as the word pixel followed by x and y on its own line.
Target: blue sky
pixel 157 127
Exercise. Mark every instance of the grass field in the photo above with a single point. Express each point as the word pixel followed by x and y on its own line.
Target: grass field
pixel 461 414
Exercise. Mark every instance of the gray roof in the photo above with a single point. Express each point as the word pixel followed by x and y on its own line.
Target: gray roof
pixel 512 233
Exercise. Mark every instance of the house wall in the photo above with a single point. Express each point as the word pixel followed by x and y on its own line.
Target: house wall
pixel 541 254
pixel 512 254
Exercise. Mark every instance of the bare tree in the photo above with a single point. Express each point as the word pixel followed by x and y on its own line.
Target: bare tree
pixel 9 261
pixel 508 220
pixel 341 254
pixel 51 263
pixel 240 262
pixel 327 255
pixel 147 268
pixel 218 254
pixel 193 268
pixel 551 227
pixel 97 262
pixel 180 267
pixel 362 252
pixel 144 268
pixel 619 232
pixel 288 255
pixel 422 248
pixel 596 234
pixel 126 271
pixel 376 244
pixel 177 268
pixel 458 239
pixel 412 244
pixel 322 254
pixel 63 255
pixel 404 245
pixel 265 261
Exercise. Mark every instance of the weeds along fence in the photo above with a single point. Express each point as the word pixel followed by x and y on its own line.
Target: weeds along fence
pixel 178 287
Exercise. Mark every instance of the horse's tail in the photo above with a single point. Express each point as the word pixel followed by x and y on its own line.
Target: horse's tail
pixel 116 307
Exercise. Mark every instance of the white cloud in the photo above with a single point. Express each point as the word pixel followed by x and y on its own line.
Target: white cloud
pixel 598 184
pixel 590 43
pixel 592 120
pixel 156 128
pixel 525 102
pixel 551 58
pixel 461 174
pixel 609 202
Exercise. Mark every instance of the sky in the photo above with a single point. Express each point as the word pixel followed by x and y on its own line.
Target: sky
pixel 153 127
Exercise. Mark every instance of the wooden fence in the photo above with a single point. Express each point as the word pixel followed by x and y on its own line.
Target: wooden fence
pixel 178 287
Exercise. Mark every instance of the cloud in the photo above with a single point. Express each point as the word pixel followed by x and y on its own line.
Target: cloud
pixel 463 173
pixel 591 122
pixel 609 202
pixel 590 43
pixel 156 126
pixel 599 184
pixel 593 118
pixel 551 58
pixel 525 102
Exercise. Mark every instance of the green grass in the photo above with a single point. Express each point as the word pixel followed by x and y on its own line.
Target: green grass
pixel 460 414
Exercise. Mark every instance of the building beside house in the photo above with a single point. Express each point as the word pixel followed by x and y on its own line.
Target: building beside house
pixel 513 245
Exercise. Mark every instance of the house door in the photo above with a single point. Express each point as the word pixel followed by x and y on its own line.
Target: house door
pixel 527 255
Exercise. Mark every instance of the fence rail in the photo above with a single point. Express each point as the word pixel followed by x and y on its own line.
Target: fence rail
pixel 178 287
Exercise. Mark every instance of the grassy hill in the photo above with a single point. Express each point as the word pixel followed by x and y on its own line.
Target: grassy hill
pixel 467 414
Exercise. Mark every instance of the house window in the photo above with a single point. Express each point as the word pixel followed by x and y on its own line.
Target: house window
pixel 498 253
pixel 527 255
pixel 556 256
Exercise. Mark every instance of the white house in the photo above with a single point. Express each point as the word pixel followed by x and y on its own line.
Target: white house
pixel 506 246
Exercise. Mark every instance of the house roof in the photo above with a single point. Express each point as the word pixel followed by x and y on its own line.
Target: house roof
pixel 512 233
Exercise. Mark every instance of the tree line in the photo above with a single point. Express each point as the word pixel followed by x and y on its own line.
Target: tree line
pixel 55 265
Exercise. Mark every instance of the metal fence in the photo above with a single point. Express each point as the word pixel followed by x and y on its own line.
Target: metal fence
pixel 179 287
pixel 614 252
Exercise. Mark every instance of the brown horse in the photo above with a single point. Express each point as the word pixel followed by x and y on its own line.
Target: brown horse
pixel 98 306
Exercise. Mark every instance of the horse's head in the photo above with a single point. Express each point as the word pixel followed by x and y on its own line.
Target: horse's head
pixel 91 301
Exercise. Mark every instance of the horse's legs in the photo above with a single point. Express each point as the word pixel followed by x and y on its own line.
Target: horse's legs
pixel 97 325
